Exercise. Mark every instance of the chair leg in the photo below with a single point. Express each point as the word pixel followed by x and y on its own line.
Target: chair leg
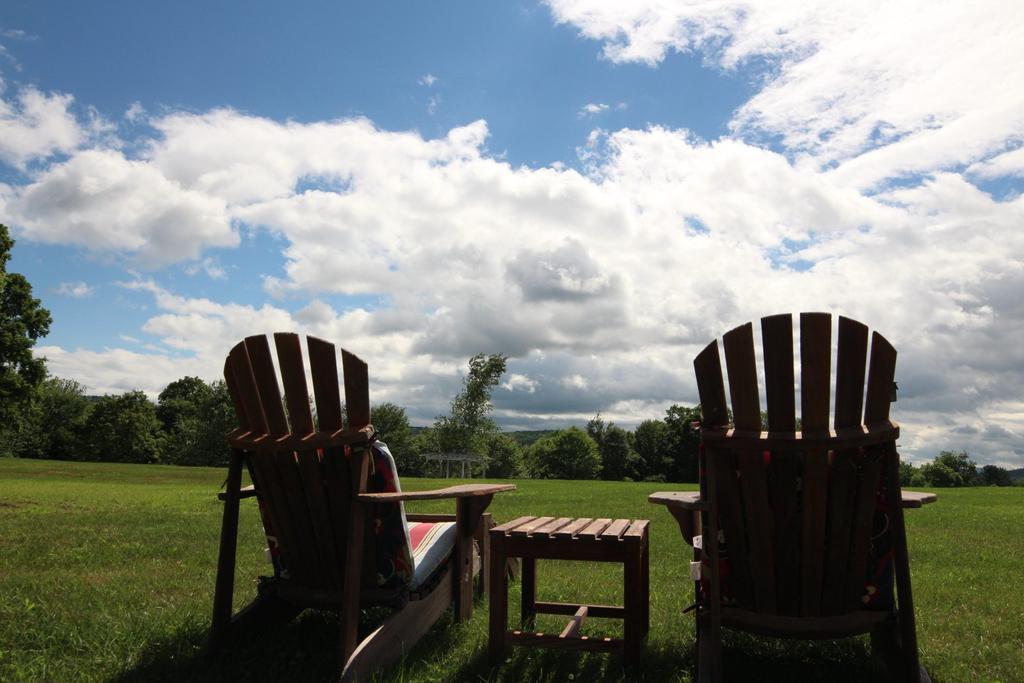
pixel 709 650
pixel 225 587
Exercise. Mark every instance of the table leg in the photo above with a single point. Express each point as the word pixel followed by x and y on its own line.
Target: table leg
pixel 528 581
pixel 633 622
pixel 499 600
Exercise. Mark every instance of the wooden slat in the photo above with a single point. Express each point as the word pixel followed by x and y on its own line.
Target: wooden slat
pixel 860 531
pixel 293 376
pixel 552 526
pixel 241 370
pixel 615 530
pixel 637 529
pixel 915 499
pixel 708 368
pixel 758 521
pixel 595 611
pixel 266 383
pixel 838 439
pixel 777 341
pixel 850 361
pixel 881 373
pixel 739 359
pixel 815 370
pixel 841 490
pixel 457 491
pixel 593 529
pixel 570 530
pixel 783 482
pixel 731 519
pixel 688 500
pixel 323 364
pixel 814 501
pixel 509 526
pixel 572 629
pixel 236 398
pixel 528 528
pixel 357 390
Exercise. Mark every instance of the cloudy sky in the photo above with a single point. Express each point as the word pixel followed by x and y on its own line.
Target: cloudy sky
pixel 595 188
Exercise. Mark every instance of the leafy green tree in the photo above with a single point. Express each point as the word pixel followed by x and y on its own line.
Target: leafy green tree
pixel 567 454
pixel 467 428
pixel 960 463
pixel 618 460
pixel 23 320
pixel 392 425
pixel 907 472
pixel 51 424
pixel 124 428
pixel 994 475
pixel 651 444
pixel 196 418
pixel 941 475
pixel 683 444
pixel 504 457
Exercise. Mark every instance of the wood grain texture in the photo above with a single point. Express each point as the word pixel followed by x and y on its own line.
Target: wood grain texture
pixel 814 513
pixel 758 522
pixel 323 364
pixel 739 359
pixel 708 368
pixel 777 341
pixel 266 384
pixel 851 358
pixel 841 490
pixel 815 370
pixel 357 390
pixel 881 372
pixel 293 377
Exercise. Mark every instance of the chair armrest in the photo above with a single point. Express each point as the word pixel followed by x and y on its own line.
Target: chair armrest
pixel 687 500
pixel 245 492
pixel 914 499
pixel 460 491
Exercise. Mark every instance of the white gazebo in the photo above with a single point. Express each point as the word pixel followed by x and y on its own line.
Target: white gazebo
pixel 461 459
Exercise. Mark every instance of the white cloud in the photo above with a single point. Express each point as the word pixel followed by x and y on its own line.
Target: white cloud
pixel 433 102
pixel 518 382
pixel 428 80
pixel 75 290
pixel 210 266
pixel 591 109
pixel 878 89
pixel 36 125
pixel 135 112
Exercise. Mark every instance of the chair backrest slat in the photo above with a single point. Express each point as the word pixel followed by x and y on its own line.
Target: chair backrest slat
pixel 708 368
pixel 236 397
pixel 293 376
pixel 739 359
pixel 266 383
pixel 815 370
pixel 323 364
pixel 777 341
pixel 797 521
pixel 880 380
pixel 357 391
pixel 851 358
pixel 245 384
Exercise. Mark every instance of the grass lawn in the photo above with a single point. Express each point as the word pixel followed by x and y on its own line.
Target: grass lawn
pixel 107 572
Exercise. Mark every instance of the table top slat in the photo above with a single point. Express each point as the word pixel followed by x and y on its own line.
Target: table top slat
pixel 573 528
pixel 528 528
pixel 508 526
pixel 592 530
pixel 615 530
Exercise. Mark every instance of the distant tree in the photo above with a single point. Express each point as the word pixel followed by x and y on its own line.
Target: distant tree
pixel 567 454
pixel 683 442
pixel 504 457
pixel 907 472
pixel 124 428
pixel 960 463
pixel 994 475
pixel 51 423
pixel 596 429
pixel 196 418
pixel 23 320
pixel 651 444
pixel 618 460
pixel 941 475
pixel 467 427
pixel 392 425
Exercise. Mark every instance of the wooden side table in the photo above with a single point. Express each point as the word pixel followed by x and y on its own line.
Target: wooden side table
pixel 564 538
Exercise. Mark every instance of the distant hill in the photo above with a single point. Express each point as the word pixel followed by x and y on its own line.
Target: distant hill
pixel 524 438
pixel 1017 474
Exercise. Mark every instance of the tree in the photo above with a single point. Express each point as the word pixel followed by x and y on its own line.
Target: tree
pixel 195 417
pixel 467 428
pixel 51 424
pixel 392 425
pixel 941 475
pixel 618 461
pixel 960 463
pixel 683 444
pixel 994 475
pixel 567 454
pixel 124 428
pixel 651 443
pixel 504 457
pixel 907 472
pixel 23 320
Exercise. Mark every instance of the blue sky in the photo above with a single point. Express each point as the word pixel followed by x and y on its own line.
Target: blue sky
pixel 596 189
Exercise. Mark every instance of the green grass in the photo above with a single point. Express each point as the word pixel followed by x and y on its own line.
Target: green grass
pixel 107 572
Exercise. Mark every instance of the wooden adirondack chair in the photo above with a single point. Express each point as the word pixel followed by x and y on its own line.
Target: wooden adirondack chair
pixel 310 476
pixel 788 520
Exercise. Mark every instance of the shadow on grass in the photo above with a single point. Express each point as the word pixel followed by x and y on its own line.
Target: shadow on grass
pixel 306 649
